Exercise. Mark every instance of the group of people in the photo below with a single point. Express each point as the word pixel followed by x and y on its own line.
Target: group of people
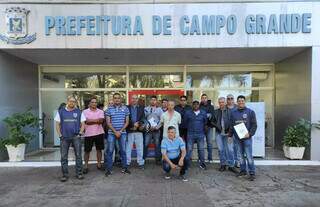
pixel 174 129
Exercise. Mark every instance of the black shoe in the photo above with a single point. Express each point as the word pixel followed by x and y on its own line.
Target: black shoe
pixel 203 166
pixel 100 168
pixel 85 171
pixel 80 177
pixel 222 168
pixel 183 178
pixel 141 167
pixel 252 177
pixel 241 174
pixel 64 178
pixel 108 173
pixel 233 169
pixel 125 171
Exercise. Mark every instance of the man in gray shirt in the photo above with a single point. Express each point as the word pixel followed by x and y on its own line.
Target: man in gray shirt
pixel 153 116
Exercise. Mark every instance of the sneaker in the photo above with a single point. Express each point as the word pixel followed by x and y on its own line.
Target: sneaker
pixel 241 174
pixel 125 171
pixel 167 176
pixel 80 177
pixel 233 169
pixel 183 178
pixel 222 168
pixel 252 177
pixel 64 178
pixel 108 173
pixel 203 166
pixel 85 171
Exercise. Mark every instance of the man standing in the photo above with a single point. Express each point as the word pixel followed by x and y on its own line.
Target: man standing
pixel 94 133
pixel 153 115
pixel 247 116
pixel 221 121
pixel 236 149
pixel 173 151
pixel 70 127
pixel 182 108
pixel 170 118
pixel 134 130
pixel 209 109
pixel 164 104
pixel 117 117
pixel 196 123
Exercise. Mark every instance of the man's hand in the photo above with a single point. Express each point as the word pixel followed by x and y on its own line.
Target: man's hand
pixel 117 134
pixel 173 166
pixel 180 163
pixel 247 135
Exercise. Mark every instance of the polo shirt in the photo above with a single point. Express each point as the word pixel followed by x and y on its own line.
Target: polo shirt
pixel 117 116
pixel 173 147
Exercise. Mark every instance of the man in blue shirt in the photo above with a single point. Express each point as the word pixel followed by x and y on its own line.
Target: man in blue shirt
pixel 247 116
pixel 173 151
pixel 70 127
pixel 117 117
pixel 196 123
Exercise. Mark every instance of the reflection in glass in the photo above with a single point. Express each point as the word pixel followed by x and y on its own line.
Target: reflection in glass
pixel 156 80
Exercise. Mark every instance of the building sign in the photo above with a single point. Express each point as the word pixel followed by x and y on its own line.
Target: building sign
pixel 17 26
pixel 188 25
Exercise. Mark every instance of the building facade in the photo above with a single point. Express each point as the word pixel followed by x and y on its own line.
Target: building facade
pixel 266 50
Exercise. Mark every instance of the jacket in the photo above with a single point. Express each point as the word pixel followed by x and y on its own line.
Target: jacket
pixel 195 123
pixel 140 118
pixel 246 116
pixel 216 120
pixel 209 109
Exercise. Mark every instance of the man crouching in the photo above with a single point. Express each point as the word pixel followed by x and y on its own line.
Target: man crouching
pixel 173 151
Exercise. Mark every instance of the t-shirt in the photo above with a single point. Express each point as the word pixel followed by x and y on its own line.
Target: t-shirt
pixel 173 147
pixel 117 116
pixel 94 129
pixel 175 120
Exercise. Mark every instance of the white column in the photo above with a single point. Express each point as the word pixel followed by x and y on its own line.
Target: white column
pixel 315 102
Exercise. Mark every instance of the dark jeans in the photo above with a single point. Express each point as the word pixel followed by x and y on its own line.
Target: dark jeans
pixel 64 150
pixel 183 134
pixel 155 136
pixel 166 167
pixel 199 139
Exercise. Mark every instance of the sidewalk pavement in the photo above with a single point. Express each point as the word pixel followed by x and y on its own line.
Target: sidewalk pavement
pixel 274 186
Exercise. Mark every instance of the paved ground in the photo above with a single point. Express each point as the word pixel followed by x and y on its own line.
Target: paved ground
pixel 275 186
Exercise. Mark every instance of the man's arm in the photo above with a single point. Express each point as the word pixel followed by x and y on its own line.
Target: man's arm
pixel 253 124
pixel 110 125
pixel 166 158
pixel 82 128
pixel 94 121
pixel 58 128
pixel 125 124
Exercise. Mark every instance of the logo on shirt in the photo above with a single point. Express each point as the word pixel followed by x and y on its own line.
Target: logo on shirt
pixel 244 116
pixel 75 115
pixel 17 27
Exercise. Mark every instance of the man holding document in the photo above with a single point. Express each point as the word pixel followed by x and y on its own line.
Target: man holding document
pixel 243 127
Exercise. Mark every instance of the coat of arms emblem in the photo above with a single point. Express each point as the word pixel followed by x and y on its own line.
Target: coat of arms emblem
pixel 17 26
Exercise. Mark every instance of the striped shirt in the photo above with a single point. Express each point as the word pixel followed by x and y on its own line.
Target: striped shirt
pixel 173 147
pixel 117 116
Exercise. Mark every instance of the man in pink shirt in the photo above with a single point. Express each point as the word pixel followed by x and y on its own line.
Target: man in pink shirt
pixel 94 133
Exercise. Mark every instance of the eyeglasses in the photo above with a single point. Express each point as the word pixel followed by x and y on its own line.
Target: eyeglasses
pixel 230 98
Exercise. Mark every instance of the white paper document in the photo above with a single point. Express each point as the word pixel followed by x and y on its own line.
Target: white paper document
pixel 153 122
pixel 241 130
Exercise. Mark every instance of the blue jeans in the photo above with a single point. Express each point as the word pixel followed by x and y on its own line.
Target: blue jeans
pixel 64 151
pixel 225 147
pixel 209 140
pixel 155 135
pixel 137 138
pixel 246 156
pixel 192 138
pixel 108 154
pixel 236 149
